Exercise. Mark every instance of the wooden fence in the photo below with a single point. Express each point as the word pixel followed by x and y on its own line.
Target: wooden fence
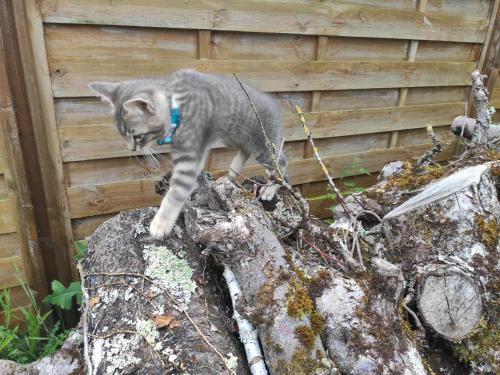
pixel 370 75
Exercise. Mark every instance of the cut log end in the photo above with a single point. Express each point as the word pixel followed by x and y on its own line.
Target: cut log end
pixel 450 303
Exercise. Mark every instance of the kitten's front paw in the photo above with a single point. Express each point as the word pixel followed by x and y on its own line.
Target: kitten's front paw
pixel 267 193
pixel 160 227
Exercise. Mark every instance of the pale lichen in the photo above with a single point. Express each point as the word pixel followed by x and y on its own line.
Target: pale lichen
pixel 120 351
pixel 170 271
pixel 231 362
pixel 147 329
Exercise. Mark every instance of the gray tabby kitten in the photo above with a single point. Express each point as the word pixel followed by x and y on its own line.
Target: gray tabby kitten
pixel 212 108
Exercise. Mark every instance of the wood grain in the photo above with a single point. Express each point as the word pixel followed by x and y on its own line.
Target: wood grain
pixel 70 76
pixel 94 200
pixel 8 216
pixel 271 16
pixel 9 245
pixel 100 140
pixel 11 271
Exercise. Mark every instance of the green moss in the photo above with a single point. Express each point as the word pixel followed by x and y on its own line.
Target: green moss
pixel 299 303
pixel 493 155
pixel 317 322
pixel 301 363
pixel 481 346
pixel 411 177
pixel 489 230
pixel 305 335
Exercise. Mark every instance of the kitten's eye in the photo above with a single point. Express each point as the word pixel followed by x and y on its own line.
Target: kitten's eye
pixel 138 137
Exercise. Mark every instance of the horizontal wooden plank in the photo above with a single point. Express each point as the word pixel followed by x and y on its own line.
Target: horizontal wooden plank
pixel 297 17
pixel 226 45
pixel 7 216
pixel 114 197
pixel 87 41
pixel 94 200
pixel 446 51
pixel 70 76
pixel 9 245
pixel 11 272
pixel 101 140
pixel 85 226
pixel 365 49
pixel 416 136
pixel 432 95
pixel 101 171
pixel 359 99
pixel 308 170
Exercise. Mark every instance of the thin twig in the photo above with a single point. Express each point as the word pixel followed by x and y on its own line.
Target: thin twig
pixel 414 315
pixel 85 296
pixel 271 147
pixel 437 147
pixel 123 283
pixel 246 177
pixel 323 255
pixel 329 178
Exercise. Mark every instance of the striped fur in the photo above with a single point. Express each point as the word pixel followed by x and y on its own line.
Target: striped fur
pixel 213 108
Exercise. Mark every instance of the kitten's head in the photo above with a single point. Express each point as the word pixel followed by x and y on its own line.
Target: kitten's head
pixel 140 107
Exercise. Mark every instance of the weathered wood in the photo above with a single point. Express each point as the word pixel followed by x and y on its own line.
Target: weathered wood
pixel 455 274
pixel 170 346
pixel 70 76
pixel 8 216
pixel 11 271
pixel 16 178
pixel 411 52
pixel 203 44
pixel 114 197
pixel 45 174
pixel 271 16
pixel 87 41
pixel 101 140
pixel 9 245
pixel 459 312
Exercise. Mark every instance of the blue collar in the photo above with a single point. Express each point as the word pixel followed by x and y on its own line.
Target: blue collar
pixel 174 123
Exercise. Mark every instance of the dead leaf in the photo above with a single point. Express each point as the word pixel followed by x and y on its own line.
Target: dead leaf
pixel 166 321
pixel 93 301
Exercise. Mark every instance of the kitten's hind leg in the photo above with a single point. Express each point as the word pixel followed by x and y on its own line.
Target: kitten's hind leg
pixel 268 192
pixel 238 162
pixel 187 167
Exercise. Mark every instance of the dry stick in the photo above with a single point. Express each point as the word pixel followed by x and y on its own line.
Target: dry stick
pixel 84 321
pixel 174 305
pixel 122 283
pixel 436 148
pixel 308 133
pixel 271 147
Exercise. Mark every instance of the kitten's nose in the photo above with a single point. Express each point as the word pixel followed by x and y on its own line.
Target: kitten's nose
pixel 131 146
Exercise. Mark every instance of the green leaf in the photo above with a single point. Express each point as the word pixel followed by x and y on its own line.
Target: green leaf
pixel 81 248
pixel 364 171
pixel 62 296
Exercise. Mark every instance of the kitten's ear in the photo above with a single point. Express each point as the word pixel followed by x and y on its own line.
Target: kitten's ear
pixel 104 90
pixel 139 106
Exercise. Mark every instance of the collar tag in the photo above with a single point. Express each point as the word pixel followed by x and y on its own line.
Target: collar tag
pixel 174 122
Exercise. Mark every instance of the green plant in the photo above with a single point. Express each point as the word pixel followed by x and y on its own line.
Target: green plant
pixel 347 186
pixel 81 248
pixel 37 340
pixel 63 297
